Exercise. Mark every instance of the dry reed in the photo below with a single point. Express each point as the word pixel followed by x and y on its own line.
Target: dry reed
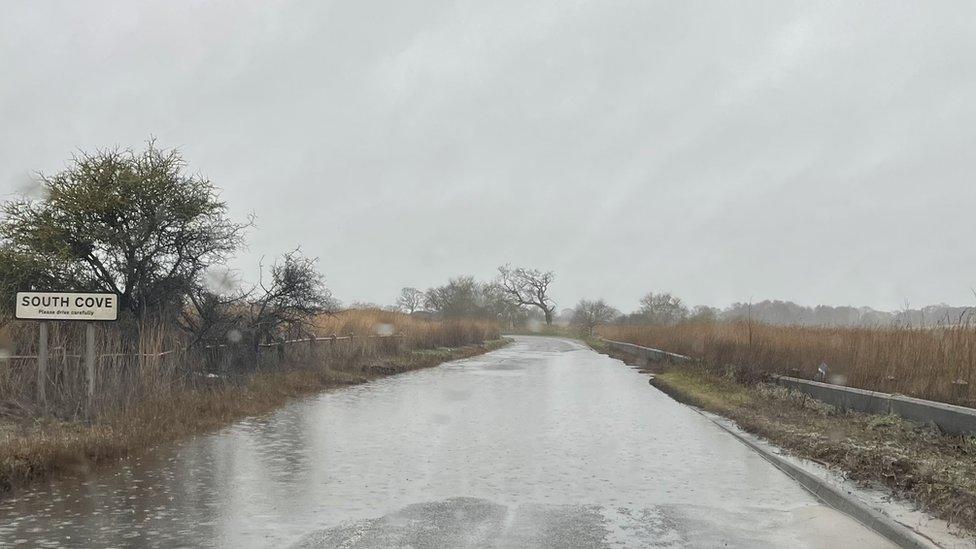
pixel 931 363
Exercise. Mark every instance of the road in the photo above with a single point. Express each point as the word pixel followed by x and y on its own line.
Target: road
pixel 544 443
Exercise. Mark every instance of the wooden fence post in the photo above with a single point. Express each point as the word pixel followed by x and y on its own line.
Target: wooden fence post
pixel 90 359
pixel 42 365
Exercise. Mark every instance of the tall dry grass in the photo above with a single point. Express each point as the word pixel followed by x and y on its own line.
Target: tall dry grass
pixel 412 332
pixel 128 369
pixel 931 363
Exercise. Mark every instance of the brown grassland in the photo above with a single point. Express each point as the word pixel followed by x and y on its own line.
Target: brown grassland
pixel 931 363
pixel 142 401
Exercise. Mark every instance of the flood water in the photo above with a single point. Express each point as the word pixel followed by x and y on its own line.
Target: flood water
pixel 542 443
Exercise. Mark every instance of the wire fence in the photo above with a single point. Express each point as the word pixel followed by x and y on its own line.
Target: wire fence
pixel 98 372
pixel 332 339
pixel 64 384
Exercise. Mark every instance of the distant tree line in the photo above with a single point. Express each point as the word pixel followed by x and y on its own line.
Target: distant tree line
pixel 516 296
pixel 789 313
pixel 665 308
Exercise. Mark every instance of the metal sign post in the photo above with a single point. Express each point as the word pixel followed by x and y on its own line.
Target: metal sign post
pixel 42 366
pixel 66 306
pixel 90 359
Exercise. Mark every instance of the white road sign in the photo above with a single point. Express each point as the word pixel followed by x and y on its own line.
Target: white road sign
pixel 66 306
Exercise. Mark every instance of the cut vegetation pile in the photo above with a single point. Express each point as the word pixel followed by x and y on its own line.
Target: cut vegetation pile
pixel 932 363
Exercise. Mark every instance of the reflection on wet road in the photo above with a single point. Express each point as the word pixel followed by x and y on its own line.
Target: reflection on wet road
pixel 543 443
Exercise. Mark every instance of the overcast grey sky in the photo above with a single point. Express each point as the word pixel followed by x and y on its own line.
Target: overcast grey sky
pixel 819 152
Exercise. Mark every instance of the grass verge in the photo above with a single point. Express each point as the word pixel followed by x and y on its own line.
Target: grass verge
pixel 936 471
pixel 38 449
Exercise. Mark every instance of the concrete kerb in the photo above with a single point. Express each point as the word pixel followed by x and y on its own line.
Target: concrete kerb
pixel 654 355
pixel 952 419
pixel 837 499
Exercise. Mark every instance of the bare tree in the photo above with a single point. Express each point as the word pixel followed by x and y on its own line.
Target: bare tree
pixel 528 288
pixel 410 300
pixel 589 314
pixel 461 297
pixel 662 308
pixel 497 306
pixel 704 313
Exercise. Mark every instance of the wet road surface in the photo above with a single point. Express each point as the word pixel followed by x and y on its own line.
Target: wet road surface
pixel 543 443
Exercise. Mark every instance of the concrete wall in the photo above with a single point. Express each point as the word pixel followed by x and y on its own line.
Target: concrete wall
pixel 653 355
pixel 957 420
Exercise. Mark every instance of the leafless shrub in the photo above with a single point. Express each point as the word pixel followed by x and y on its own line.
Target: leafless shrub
pixel 410 300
